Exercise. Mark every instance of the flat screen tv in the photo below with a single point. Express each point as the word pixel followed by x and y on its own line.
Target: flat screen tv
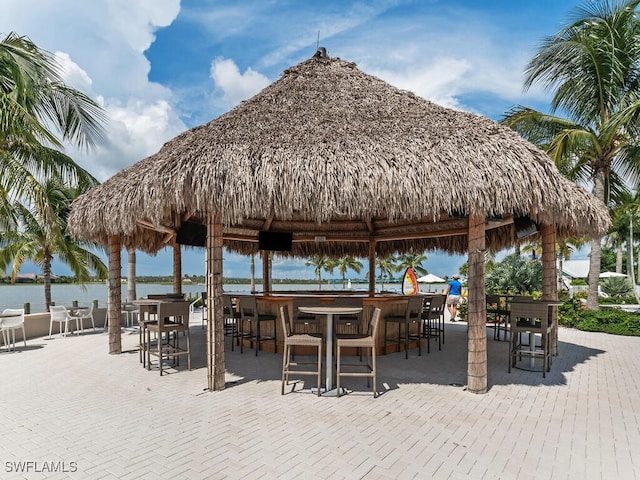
pixel 275 241
pixel 193 234
pixel 524 227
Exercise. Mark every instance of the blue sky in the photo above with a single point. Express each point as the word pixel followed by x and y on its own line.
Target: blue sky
pixel 160 67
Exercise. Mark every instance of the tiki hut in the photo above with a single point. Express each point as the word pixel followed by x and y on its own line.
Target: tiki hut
pixel 348 165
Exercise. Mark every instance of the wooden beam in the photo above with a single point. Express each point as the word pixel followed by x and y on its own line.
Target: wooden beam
pixel 358 239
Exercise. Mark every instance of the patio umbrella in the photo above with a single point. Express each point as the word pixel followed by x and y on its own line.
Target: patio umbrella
pixel 347 165
pixel 431 278
pixel 612 274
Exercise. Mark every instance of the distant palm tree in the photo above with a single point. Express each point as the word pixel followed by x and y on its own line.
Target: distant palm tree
pixel 414 260
pixel 387 266
pixel 319 263
pixel 347 263
pixel 593 65
pixel 131 274
pixel 43 236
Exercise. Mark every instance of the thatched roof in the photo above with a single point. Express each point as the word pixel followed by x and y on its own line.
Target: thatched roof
pixel 329 151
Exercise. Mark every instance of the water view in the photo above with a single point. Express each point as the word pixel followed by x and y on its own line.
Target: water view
pixel 15 296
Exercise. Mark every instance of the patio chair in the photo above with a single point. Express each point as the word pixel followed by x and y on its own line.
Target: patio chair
pixel 252 323
pixel 82 314
pixel 433 319
pixel 173 318
pixel 404 322
pixel 9 325
pixel 231 318
pixel 129 312
pixel 292 340
pixel 530 318
pixel 60 315
pixel 498 314
pixel 203 296
pixel 367 342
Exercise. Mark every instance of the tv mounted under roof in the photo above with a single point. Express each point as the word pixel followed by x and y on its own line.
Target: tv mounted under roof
pixel 524 227
pixel 275 241
pixel 193 234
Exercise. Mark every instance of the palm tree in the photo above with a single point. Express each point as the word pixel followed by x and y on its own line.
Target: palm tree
pixel 38 112
pixel 131 274
pixel 347 263
pixel 43 235
pixel 319 263
pixel 592 65
pixel 387 266
pixel 414 260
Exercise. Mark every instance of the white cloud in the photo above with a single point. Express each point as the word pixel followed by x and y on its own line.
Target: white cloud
pixel 101 50
pixel 440 81
pixel 236 86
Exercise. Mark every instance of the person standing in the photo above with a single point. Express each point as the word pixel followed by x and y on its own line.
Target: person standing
pixel 454 291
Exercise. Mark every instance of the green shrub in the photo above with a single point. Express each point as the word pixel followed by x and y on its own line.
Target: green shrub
pixel 617 286
pixel 614 321
pixel 628 300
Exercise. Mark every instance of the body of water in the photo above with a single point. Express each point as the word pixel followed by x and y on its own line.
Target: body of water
pixel 15 296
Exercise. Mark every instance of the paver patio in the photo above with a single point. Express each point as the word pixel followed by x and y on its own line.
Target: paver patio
pixel 67 404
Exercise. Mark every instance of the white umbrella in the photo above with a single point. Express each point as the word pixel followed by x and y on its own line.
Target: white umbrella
pixel 609 275
pixel 431 278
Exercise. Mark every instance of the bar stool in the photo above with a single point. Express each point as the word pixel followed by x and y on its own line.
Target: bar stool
pixel 367 342
pixel 298 340
pixel 412 316
pixel 231 318
pixel 433 319
pixel 530 318
pixel 249 316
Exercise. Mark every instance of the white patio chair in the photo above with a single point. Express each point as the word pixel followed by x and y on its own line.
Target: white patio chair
pixel 81 314
pixel 60 314
pixel 9 325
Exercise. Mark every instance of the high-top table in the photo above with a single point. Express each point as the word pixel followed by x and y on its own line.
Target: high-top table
pixel 330 311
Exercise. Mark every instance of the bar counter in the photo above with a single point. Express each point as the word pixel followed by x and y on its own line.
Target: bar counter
pixel 389 304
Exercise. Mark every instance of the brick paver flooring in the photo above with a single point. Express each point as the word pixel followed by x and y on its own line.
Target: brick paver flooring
pixel 67 405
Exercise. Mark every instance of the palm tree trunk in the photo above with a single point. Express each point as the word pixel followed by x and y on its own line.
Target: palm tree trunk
pixel 630 258
pixel 131 274
pixel 618 257
pixel 46 274
pixel 595 258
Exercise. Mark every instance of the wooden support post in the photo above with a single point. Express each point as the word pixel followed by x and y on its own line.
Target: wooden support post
pixel 372 267
pixel 266 273
pixel 477 316
pixel 177 268
pixel 114 304
pixel 215 319
pixel 549 278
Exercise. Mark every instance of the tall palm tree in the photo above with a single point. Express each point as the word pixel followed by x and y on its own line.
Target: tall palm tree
pixel 414 260
pixel 43 235
pixel 592 64
pixel 387 266
pixel 347 263
pixel 131 275
pixel 319 263
pixel 38 113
